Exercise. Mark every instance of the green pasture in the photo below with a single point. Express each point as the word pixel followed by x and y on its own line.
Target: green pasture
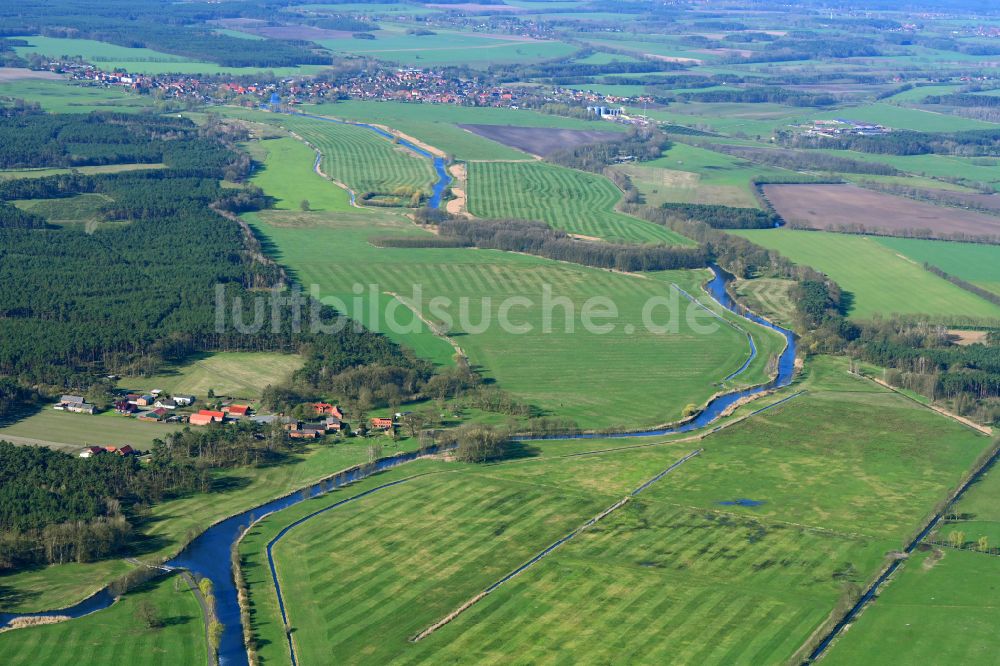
pixel 437 124
pixel 967 170
pixel 878 278
pixel 690 174
pixel 73 97
pixel 643 584
pixel 72 432
pixel 118 634
pixel 974 262
pixel 769 297
pixel 933 611
pixel 285 166
pixel 899 117
pixel 237 374
pixel 977 513
pixel 79 209
pixel 362 159
pixel 574 201
pixel 598 379
pixel 10 174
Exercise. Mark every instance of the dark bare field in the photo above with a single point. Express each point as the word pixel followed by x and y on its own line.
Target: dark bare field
pixel 540 140
pixel 850 208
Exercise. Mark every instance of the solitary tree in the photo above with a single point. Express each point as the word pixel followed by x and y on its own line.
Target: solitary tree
pixel 148 615
pixel 956 539
pixel 983 544
pixel 304 205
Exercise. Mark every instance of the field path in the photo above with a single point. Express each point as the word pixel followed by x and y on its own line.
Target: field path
pixel 593 521
pixel 444 336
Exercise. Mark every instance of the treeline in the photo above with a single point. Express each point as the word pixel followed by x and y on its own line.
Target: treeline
pixel 639 143
pixel 762 95
pixel 802 160
pixel 903 142
pixel 12 217
pixel 964 99
pixel 539 239
pixel 984 294
pixel 56 507
pixel 724 217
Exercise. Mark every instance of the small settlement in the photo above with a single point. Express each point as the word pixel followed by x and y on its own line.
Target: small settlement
pixel 155 406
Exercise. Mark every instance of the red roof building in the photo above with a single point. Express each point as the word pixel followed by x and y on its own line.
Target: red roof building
pixel 381 423
pixel 237 410
pixel 326 409
pixel 200 419
pixel 216 416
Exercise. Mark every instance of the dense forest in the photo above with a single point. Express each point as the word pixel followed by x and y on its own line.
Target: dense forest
pixel 142 288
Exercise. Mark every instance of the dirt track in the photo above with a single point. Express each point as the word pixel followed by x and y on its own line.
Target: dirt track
pixel 850 208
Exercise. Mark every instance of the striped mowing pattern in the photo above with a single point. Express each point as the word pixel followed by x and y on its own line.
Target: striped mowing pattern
pixel 116 635
pixel 363 160
pixel 390 564
pixel 574 201
pixel 658 584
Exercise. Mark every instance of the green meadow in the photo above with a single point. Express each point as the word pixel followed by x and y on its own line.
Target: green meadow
pixel 879 279
pixel 599 380
pixel 118 634
pixel 362 159
pixel 291 174
pixel 238 374
pixel 690 174
pixel 72 432
pixel 937 610
pixel 574 201
pixel 437 124
pixel 72 97
pixel 974 262
pixel 641 585
pixel 899 117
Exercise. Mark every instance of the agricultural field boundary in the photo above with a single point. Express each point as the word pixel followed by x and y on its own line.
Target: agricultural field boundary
pixel 288 528
pixel 318 168
pixel 897 562
pixel 604 514
pixel 981 429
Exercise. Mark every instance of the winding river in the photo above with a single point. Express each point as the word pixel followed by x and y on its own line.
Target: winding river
pixel 209 555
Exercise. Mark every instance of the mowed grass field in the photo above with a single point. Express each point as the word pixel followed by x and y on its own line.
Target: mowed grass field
pixel 646 584
pixel 975 262
pixel 72 97
pixel 362 159
pixel 68 431
pixel 438 124
pixel 688 174
pixel 934 612
pixel 239 374
pixel 295 179
pixel 879 279
pixel 600 380
pixel 574 201
pixel 117 635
